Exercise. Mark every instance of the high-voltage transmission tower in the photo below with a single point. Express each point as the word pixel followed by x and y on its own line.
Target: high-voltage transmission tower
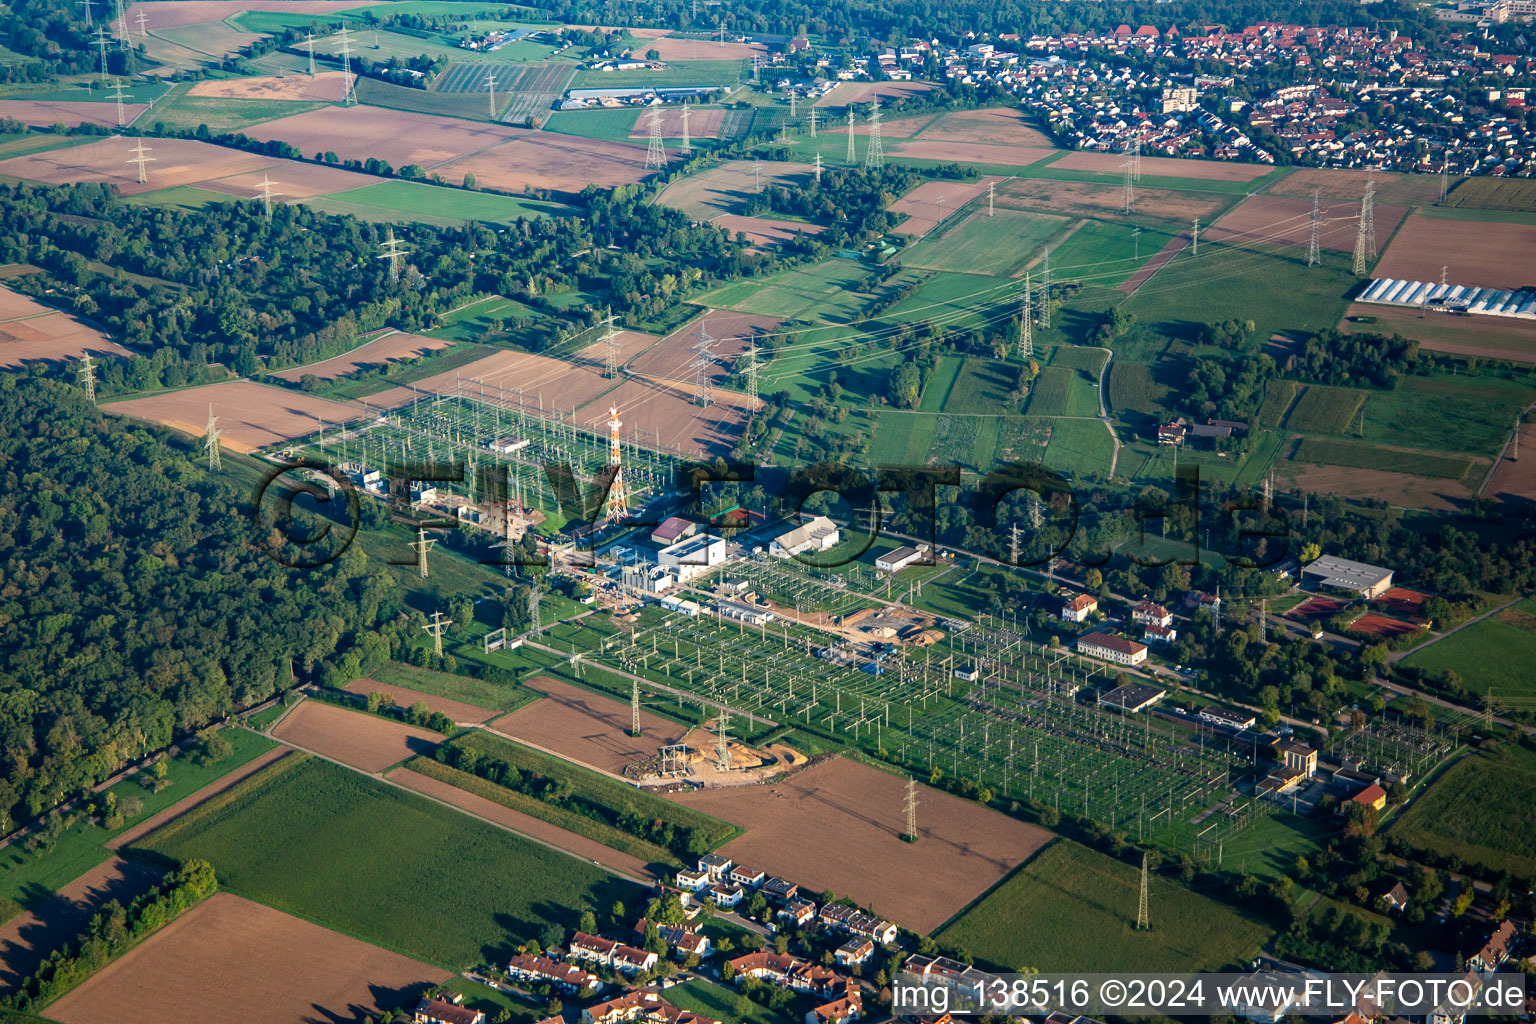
pixel 266 194
pixel 349 98
pixel 792 104
pixel 991 195
pixel 750 372
pixel 618 500
pixel 722 744
pixel 533 605
pixel 1314 232
pixel 122 25
pixel 117 94
pixel 1128 188
pixel 911 808
pixel 655 152
pixel 309 43
pixel 1142 924
pixel 87 5
pixel 634 707
pixel 874 156
pixel 490 87
pixel 1026 322
pixel 1044 319
pixel 818 168
pixel 421 545
pixel 610 347
pixel 142 17
pixel 211 435
pixel 687 146
pixel 813 122
pixel 393 250
pixel 87 375
pixel 101 41
pixel 703 383
pixel 1194 239
pixel 852 156
pixel 1136 159
pixel 435 630
pixel 1365 234
pixel 142 158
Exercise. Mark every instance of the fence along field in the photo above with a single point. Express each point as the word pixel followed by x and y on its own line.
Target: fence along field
pixel 360 856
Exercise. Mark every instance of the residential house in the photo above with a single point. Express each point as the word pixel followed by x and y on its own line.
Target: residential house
pixel 780 889
pixel 855 921
pixel 1150 613
pixel 622 958
pixel 1172 433
pixel 714 866
pixel 1155 634
pixel 1396 898
pixel 786 971
pixel 1079 607
pixel 1495 951
pixel 692 881
pixel 845 1008
pixel 543 970
pixel 642 1006
pixel 726 895
pixel 441 1011
pixel 800 912
pixel 747 877
pixel 632 960
pixel 856 950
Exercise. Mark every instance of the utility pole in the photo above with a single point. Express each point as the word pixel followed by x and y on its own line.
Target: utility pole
pixel 211 433
pixel 421 545
pixel 435 630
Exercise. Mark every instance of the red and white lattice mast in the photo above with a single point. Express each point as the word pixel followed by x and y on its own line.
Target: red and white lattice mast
pixel 618 501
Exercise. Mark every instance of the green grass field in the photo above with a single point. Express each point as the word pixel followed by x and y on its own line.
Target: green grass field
pixel 221 115
pixel 1458 413
pixel 1002 244
pixel 675 74
pixel 1079 448
pixel 982 386
pixel 469 105
pixel 180 197
pixel 1070 906
pixel 1063 391
pixel 383 44
pixel 1482 809
pixel 1369 456
pixel 366 858
pixel 705 997
pixel 1492 655
pixel 1105 253
pixel 957 300
pixel 1278 396
pixel 416 201
pixel 613 125
pixel 1325 410
pixel 1134 389
pixel 830 290
pixel 491 696
pixel 1484 193
pixel 940 383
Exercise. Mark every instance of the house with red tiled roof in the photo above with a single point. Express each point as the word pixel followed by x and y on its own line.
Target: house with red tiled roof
pixel 441 1011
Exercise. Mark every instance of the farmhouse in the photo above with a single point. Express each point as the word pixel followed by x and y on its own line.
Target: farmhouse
pixel 1112 648
pixel 1132 697
pixel 787 971
pixel 1079 607
pixel 1172 433
pixel 1237 721
pixel 895 561
pixel 1367 581
pixel 538 969
pixel 441 1011
pixel 816 534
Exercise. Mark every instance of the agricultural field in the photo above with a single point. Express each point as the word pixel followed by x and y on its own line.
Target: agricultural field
pixel 672 356
pixel 323 824
pixel 1481 809
pixel 387 348
pixel 33 332
pixel 1080 448
pixel 325 87
pixel 1286 222
pixel 1106 253
pixel 219 960
pixel 547 160
pixel 1154 206
pixel 1491 655
pixel 926 204
pixel 462 689
pixel 846 94
pixel 182 110
pixel 586 727
pixel 726 188
pixel 1372 456
pixel 1471 252
pixel 1322 409
pixel 832 291
pixel 964 848
pixel 432 204
pixel 46 113
pixel 1002 244
pixel 251 416
pixel 1487 193
pixel 357 738
pixel 404 696
pixel 1063 391
pixel 1160 167
pixel 395 136
pixel 975 385
pixel 1081 906
pixel 679 73
pixel 1486 337
pixel 1470 413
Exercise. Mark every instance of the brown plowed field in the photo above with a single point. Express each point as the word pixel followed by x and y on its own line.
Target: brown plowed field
pixel 46 113
pixel 1437 495
pixel 1086 199
pixel 1402 189
pixel 837 825
pixel 562 384
pixel 172 13
pixel 130 836
pixel 924 148
pixel 702 124
pixel 394 136
pixel 548 160
pixel 1489 337
pixel 671 356
pixel 847 93
pixel 354 737
pixel 390 398
pixel 397 345
pixel 1515 480
pixel 1162 166
pixel 404 695
pixel 31 331
pixel 667 412
pixel 921 205
pixel 182 162
pixel 527 824
pixel 585 727
pixel 236 962
pixel 26 940
pixel 1287 220
pixel 673 49
pixel 993 126
pixel 631 344
pixel 724 189
pixel 327 86
pixel 1484 253
pixel 764 231
pixel 250 415
pixel 1159 260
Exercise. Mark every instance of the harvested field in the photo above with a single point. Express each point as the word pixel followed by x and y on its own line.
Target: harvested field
pixel 130 836
pixel 964 849
pixel 587 727
pixel 31 332
pixel 394 136
pixel 668 412
pixel 764 231
pixel 173 13
pixel 46 113
pixel 702 123
pixel 560 383
pixel 524 824
pixel 404 695
pixel 1515 480
pixel 1401 489
pixel 1287 220
pixel 181 162
pixel 1381 625
pixel 251 416
pixel 389 398
pixel 1162 167
pixel 1086 199
pixel 921 205
pixel 327 86
pixel 725 189
pixel 1159 260
pixel 1488 337
pixel 392 346
pixel 26 940
pixel 1401 189
pixel 671 48
pixel 670 357
pixel 1474 252
pixel 993 126
pixel 847 93
pixel 353 737
pixel 549 160
pixel 237 962
pixel 924 148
